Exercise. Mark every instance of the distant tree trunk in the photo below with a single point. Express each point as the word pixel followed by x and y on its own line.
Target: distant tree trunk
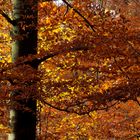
pixel 25 33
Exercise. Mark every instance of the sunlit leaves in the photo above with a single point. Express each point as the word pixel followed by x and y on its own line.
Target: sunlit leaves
pixel 5 48
pixel 91 79
pixel 104 72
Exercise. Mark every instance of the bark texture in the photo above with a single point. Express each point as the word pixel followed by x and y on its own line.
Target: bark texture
pixel 25 43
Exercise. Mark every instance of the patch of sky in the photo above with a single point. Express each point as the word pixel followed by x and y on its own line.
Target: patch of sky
pixel 58 2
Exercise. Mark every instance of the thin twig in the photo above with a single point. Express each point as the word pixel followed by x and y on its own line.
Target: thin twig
pixel 138 102
pixel 12 22
pixel 132 47
pixel 76 11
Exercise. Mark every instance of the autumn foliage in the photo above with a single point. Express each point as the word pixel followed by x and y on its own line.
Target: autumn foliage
pixel 89 63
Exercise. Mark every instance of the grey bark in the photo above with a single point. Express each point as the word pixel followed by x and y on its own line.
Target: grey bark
pixel 23 123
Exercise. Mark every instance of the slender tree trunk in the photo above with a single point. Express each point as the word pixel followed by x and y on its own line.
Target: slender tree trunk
pixel 25 34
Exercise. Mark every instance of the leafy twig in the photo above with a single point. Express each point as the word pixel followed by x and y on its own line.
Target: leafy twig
pixel 76 11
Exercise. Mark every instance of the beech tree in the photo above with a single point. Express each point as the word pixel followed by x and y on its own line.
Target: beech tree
pixel 24 34
pixel 86 59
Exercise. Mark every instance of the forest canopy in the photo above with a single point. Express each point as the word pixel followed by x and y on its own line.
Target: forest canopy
pixel 88 57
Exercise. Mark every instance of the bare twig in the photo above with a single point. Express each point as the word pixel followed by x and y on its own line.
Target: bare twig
pixel 12 22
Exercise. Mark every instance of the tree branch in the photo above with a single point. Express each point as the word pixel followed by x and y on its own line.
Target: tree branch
pixel 57 108
pixel 37 61
pixel 76 11
pixel 12 22
pixel 68 110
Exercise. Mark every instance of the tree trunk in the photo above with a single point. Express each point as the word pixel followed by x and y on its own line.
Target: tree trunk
pixel 25 43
